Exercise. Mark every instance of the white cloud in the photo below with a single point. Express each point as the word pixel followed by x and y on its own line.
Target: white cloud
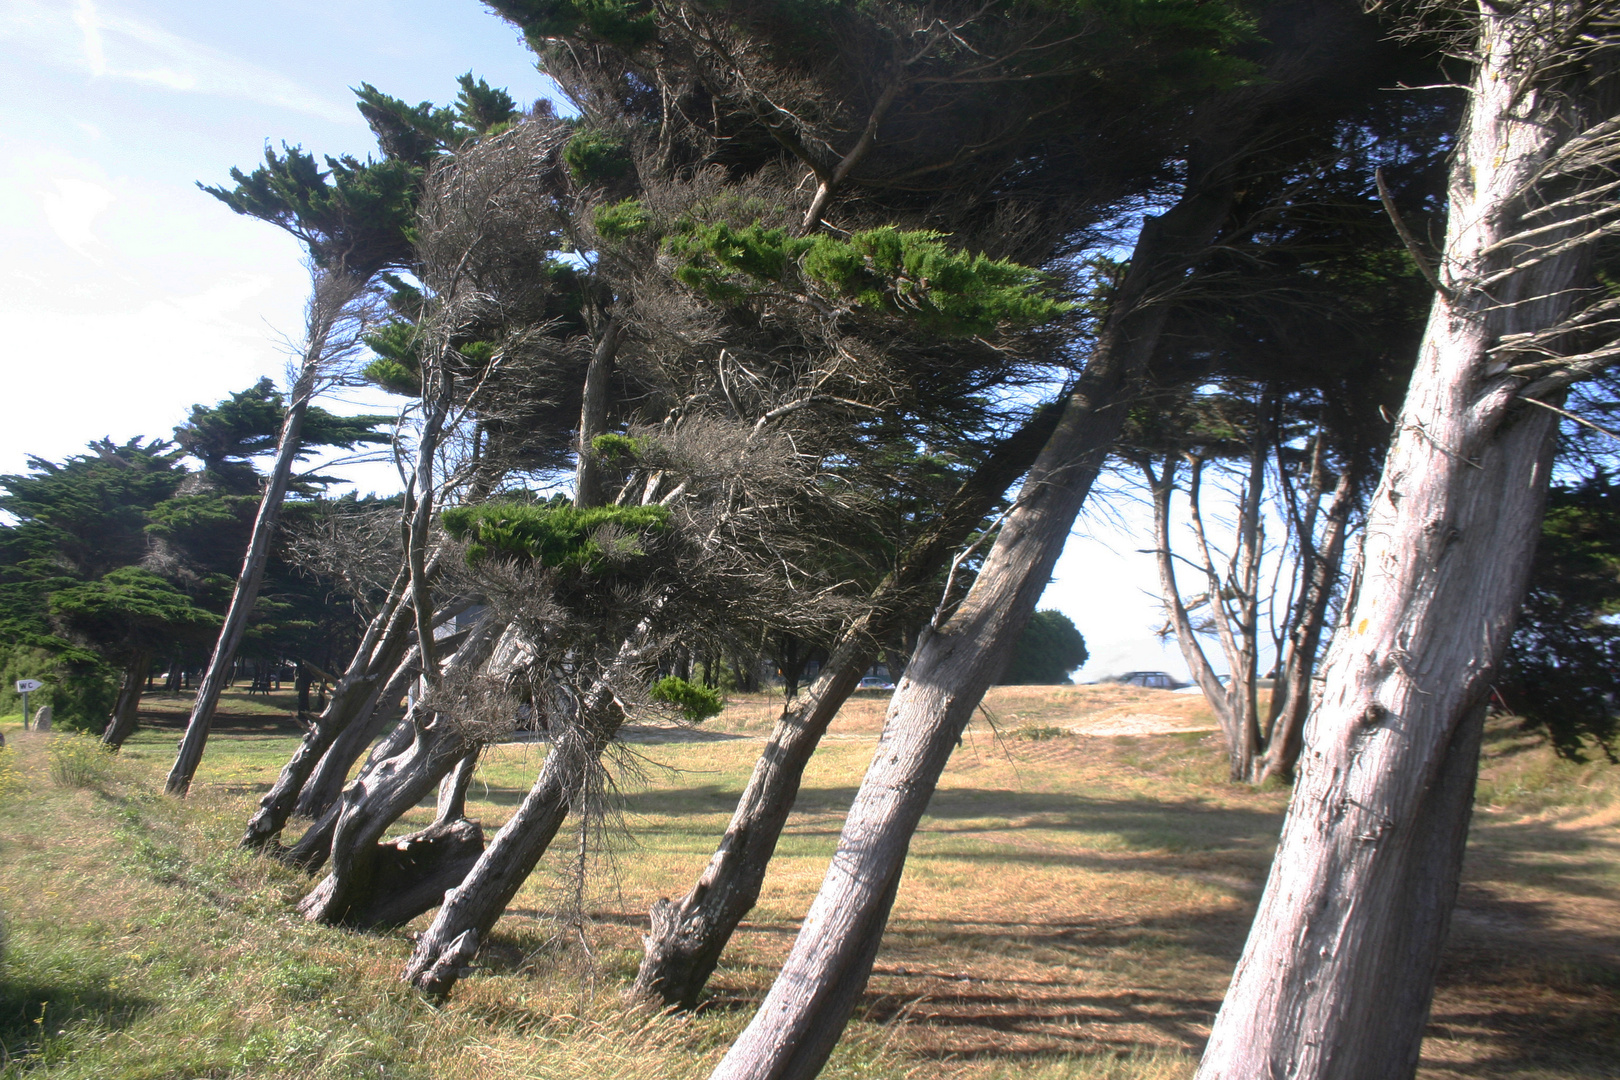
pixel 107 43
pixel 72 211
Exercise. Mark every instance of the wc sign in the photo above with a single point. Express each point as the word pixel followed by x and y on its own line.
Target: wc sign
pixel 26 687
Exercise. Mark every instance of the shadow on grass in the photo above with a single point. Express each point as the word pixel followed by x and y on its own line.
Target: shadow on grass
pixel 33 1013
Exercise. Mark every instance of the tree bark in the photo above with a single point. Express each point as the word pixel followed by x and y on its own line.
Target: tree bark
pixel 378 797
pixel 593 416
pixel 331 296
pixel 1337 975
pixel 126 707
pixel 810 1002
pixel 686 939
pixel 452 800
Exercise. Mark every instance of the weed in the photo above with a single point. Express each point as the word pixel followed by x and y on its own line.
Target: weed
pixel 1040 733
pixel 10 782
pixel 80 761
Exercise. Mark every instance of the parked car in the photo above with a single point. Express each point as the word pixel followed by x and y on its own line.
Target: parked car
pixel 872 682
pixel 1152 680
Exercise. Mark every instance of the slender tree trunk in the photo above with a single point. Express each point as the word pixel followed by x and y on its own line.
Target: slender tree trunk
pixel 1291 695
pixel 687 939
pixel 810 1002
pixel 126 707
pixel 326 306
pixel 1337 976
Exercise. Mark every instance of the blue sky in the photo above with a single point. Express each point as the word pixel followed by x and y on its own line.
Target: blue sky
pixel 128 295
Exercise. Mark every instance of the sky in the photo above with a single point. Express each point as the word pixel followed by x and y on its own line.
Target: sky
pixel 128 295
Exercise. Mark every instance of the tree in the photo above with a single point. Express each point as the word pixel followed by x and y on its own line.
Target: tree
pixel 1338 972
pixel 76 522
pixel 1048 651
pixel 963 651
pixel 355 221
pixel 1562 668
pixel 128 615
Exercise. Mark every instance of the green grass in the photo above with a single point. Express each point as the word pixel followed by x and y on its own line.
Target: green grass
pixel 1071 911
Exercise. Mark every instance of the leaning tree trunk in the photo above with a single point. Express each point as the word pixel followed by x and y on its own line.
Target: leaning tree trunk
pixel 1338 973
pixel 471 909
pixel 325 308
pixel 376 656
pixel 381 712
pixel 808 1005
pixel 686 939
pixel 126 707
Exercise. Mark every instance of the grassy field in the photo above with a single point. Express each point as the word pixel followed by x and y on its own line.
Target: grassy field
pixel 1072 908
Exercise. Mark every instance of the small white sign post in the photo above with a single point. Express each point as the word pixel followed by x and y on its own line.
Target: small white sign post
pixel 26 687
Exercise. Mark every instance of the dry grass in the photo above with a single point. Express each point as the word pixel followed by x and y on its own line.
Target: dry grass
pixel 1072 908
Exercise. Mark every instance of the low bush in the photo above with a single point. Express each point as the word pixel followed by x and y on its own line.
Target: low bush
pixel 697 703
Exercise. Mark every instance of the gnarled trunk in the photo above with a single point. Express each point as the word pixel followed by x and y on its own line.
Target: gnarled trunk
pixel 377 655
pixel 378 798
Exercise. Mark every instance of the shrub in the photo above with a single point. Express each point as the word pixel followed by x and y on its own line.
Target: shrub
pixel 697 703
pixel 79 687
pixel 621 220
pixel 79 761
pixel 1040 733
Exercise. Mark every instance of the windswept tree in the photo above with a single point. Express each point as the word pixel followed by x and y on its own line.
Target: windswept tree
pixel 1337 976
pixel 1319 55
pixel 355 218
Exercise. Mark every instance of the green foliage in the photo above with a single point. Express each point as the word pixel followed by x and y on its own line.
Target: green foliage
pixel 907 272
pixel 594 156
pixel 697 703
pixel 79 687
pixel 355 217
pixel 621 220
pixel 224 437
pixel 398 367
pixel 627 24
pixel 79 761
pixel 1562 668
pixel 129 609
pixel 556 534
pixel 612 447
pixel 1048 651
pixel 86 515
